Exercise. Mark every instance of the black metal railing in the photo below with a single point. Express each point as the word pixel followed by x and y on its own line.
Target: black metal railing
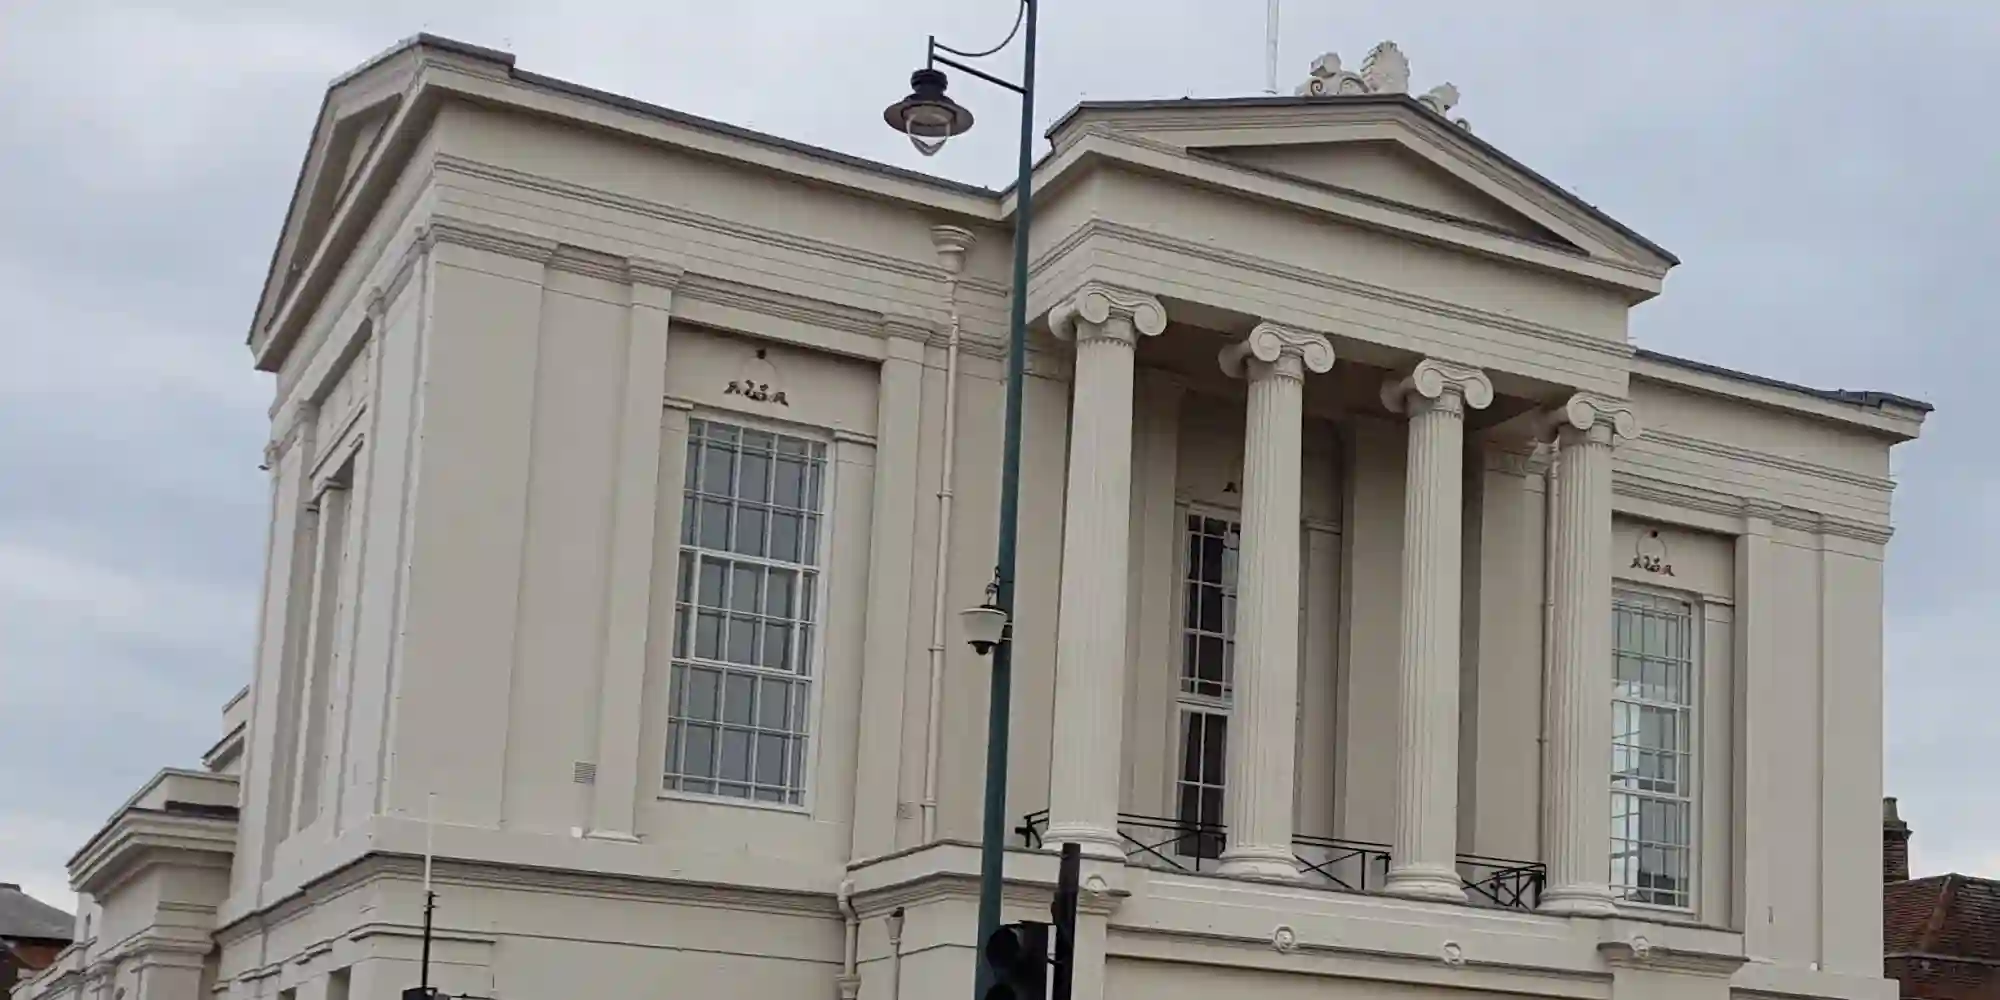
pixel 1350 865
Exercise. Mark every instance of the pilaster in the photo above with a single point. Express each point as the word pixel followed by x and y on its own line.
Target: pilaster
pixel 1435 396
pixel 892 554
pixel 1088 746
pixel 635 500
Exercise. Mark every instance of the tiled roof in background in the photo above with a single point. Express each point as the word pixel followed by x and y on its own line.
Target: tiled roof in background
pixel 24 916
pixel 1941 936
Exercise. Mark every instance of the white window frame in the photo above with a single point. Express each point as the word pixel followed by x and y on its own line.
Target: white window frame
pixel 814 657
pixel 1185 702
pixel 1693 791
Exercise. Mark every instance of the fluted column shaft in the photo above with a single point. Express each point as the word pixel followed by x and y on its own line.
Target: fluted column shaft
pixel 1090 634
pixel 1263 723
pixel 1424 853
pixel 1578 837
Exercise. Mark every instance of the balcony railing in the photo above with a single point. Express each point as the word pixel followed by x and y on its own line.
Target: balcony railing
pixel 1351 865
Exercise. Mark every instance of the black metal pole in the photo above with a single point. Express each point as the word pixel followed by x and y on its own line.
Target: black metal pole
pixel 1062 910
pixel 993 846
pixel 424 965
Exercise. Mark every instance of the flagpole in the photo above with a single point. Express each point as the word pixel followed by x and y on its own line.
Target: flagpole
pixel 430 898
pixel 1271 47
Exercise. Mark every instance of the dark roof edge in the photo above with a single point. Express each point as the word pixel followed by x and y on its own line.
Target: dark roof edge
pixel 426 40
pixel 1488 148
pixel 1853 397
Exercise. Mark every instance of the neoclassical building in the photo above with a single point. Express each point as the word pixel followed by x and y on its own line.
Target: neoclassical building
pixel 1389 624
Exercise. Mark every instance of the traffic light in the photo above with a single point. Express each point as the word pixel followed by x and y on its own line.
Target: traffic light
pixel 1017 956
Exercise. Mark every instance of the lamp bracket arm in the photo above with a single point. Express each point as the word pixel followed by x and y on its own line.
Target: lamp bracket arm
pixel 1020 17
pixel 983 75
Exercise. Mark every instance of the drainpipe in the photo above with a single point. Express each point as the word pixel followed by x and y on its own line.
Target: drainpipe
pixel 849 981
pixel 951 243
pixel 1549 474
pixel 895 922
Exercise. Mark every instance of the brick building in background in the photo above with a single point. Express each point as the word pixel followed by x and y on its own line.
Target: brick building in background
pixel 32 933
pixel 1941 933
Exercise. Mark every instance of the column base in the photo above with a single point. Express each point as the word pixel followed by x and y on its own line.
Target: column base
pixel 1425 882
pixel 1578 901
pixel 1098 842
pixel 1257 861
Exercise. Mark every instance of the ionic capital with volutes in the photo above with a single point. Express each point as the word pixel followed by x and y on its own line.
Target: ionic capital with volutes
pixel 1438 385
pixel 1602 419
pixel 1098 310
pixel 1282 351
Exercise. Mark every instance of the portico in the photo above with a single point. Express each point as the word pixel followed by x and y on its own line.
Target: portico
pixel 1431 399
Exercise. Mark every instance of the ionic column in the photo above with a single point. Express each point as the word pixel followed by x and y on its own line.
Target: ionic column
pixel 1435 395
pixel 1264 722
pixel 1106 324
pixel 1578 802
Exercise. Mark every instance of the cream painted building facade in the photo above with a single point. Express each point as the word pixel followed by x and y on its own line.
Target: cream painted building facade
pixel 1388 624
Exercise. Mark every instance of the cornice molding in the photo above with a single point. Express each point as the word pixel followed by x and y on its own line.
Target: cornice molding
pixel 447 163
pixel 944 886
pixel 378 869
pixel 655 273
pixel 1799 466
pixel 1450 143
pixel 1124 149
pixel 700 287
pixel 695 286
pixel 1696 499
pixel 410 931
pixel 913 328
pixel 1640 953
pixel 591 263
pixel 1618 350
pixel 1676 495
pixel 139 839
pixel 443 229
pixel 186 949
pixel 61 983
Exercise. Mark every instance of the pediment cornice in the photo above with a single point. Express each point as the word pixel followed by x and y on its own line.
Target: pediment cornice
pixel 1142 154
pixel 1210 131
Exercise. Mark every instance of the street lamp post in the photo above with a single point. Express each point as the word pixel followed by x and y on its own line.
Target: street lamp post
pixel 929 118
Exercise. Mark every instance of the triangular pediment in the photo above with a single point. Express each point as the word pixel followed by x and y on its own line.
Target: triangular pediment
pixel 1389 171
pixel 1387 149
pixel 358 110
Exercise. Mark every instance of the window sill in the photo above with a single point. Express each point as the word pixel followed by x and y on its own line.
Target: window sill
pixel 1656 914
pixel 731 802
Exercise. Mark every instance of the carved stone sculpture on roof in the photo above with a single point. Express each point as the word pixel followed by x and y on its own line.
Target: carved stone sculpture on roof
pixel 1385 71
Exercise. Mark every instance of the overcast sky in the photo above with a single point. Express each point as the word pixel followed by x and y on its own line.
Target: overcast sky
pixel 1826 170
